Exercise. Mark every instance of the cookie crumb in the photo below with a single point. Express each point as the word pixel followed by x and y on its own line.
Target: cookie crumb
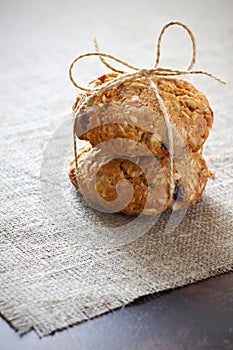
pixel 211 159
pixel 211 174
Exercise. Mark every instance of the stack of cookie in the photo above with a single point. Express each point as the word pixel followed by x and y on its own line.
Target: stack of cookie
pixel 126 164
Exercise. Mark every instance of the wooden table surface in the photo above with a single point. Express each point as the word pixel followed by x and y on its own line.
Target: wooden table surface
pixel 198 316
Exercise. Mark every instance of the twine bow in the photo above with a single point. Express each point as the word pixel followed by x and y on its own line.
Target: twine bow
pixel 137 73
pixel 140 72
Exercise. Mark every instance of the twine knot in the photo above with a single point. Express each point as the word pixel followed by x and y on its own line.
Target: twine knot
pixel 145 72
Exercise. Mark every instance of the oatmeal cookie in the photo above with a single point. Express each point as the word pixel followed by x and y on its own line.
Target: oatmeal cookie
pixel 130 111
pixel 139 184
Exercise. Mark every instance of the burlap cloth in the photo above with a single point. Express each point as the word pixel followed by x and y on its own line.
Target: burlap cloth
pixel 55 269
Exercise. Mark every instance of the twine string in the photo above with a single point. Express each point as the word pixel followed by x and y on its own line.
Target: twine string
pixel 137 73
pixel 168 125
pixel 96 46
pixel 192 37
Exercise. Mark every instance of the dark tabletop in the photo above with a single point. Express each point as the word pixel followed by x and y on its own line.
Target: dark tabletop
pixel 198 316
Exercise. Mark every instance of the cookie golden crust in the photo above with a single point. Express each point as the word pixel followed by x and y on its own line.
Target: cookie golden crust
pixel 105 180
pixel 131 111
